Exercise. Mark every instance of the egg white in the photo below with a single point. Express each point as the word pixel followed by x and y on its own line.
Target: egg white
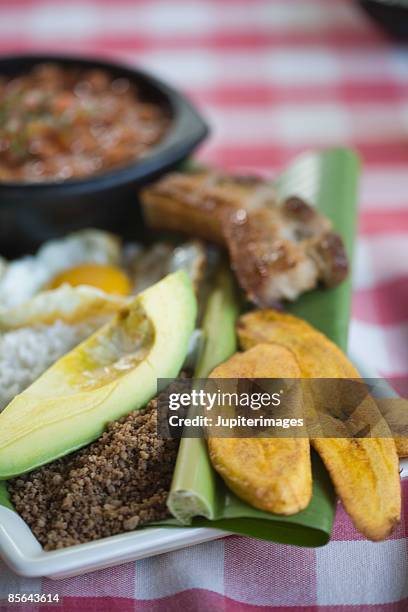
pixel 23 278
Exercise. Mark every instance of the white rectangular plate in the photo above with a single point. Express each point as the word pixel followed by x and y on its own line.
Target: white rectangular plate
pixel 25 556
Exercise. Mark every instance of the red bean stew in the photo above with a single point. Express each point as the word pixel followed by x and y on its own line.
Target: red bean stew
pixel 58 123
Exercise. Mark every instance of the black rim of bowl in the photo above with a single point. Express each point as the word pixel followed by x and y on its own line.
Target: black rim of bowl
pixel 187 130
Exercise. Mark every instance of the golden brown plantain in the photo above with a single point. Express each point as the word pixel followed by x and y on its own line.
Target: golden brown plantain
pixel 272 474
pixel 401 445
pixel 365 471
pixel 365 474
pixel 319 357
pixel 395 412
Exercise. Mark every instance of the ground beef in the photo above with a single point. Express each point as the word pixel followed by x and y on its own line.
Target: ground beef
pixel 118 483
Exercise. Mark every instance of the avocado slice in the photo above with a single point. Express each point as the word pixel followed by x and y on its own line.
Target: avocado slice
pixel 110 374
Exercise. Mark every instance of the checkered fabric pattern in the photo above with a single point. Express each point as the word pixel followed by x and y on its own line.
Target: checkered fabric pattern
pixel 273 77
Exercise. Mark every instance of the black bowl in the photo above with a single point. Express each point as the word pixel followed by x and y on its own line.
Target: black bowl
pixel 31 213
pixel 391 15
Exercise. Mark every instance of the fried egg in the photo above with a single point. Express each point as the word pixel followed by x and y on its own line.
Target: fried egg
pixel 23 278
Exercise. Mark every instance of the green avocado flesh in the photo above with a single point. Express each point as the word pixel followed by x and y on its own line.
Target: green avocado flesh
pixel 112 373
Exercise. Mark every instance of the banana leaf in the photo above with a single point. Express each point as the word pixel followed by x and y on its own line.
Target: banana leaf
pixel 327 179
pixel 198 497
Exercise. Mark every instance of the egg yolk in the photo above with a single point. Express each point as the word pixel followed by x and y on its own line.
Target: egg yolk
pixel 108 278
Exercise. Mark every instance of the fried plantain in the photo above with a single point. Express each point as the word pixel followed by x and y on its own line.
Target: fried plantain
pixel 395 412
pixel 364 471
pixel 272 474
pixel 402 446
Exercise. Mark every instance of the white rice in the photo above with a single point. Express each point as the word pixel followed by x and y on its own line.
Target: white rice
pixel 27 352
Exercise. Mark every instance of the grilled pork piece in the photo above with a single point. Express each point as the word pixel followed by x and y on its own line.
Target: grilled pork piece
pixel 195 203
pixel 277 253
pixel 278 249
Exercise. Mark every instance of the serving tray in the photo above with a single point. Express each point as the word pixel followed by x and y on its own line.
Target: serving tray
pixel 327 179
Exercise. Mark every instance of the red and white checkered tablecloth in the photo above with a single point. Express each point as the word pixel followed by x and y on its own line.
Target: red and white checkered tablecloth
pixel 274 77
